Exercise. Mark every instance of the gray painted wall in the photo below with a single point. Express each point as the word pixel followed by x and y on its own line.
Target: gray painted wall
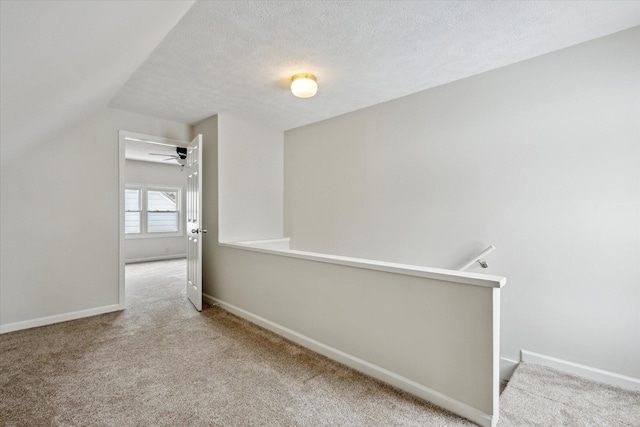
pixel 445 329
pixel 250 180
pixel 540 158
pixel 59 219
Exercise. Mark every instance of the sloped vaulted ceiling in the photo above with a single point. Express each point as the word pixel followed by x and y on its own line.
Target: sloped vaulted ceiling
pixel 62 61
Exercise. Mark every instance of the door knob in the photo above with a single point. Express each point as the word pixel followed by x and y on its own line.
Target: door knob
pixel 197 230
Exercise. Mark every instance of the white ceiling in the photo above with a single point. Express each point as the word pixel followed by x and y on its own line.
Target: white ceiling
pixel 238 57
pixel 63 61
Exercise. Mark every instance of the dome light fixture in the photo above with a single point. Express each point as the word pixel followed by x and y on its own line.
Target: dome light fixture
pixel 304 85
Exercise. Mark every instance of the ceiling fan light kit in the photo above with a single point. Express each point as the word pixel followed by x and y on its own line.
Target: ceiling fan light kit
pixel 180 156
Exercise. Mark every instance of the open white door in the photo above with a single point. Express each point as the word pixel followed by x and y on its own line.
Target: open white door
pixel 194 228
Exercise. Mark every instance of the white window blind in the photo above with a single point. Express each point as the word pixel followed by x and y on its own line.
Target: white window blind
pixel 162 211
pixel 132 211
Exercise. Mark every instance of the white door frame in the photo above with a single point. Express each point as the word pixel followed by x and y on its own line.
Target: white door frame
pixel 123 135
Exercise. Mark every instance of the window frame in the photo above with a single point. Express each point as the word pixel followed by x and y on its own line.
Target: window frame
pixel 144 211
pixel 139 211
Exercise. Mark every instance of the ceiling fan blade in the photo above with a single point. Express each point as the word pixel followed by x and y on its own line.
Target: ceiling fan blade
pixel 159 154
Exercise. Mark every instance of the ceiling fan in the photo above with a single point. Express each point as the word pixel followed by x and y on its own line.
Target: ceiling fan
pixel 180 156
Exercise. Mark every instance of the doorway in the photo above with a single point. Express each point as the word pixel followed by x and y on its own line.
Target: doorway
pixel 152 188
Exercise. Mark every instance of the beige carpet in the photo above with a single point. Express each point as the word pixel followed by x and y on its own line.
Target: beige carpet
pixel 161 363
pixel 541 396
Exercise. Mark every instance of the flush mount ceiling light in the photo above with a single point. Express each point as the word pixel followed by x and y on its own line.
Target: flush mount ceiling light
pixel 304 85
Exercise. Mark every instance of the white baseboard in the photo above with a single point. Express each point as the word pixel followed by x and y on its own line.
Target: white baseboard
pixel 154 258
pixel 49 320
pixel 589 372
pixel 382 374
pixel 507 366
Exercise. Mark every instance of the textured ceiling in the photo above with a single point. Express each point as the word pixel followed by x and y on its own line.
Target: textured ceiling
pixel 63 61
pixel 237 57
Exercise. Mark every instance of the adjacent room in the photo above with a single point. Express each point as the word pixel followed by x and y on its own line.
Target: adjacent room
pixel 313 213
pixel 155 188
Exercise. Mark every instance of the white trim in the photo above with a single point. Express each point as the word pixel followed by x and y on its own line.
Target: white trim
pixel 155 258
pixel 154 235
pixel 152 139
pixel 389 267
pixel 507 366
pixel 589 372
pixel 495 356
pixel 42 321
pixel 258 242
pixel 363 366
pixel 121 186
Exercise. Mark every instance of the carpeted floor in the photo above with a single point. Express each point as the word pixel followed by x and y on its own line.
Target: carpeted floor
pixel 541 396
pixel 161 363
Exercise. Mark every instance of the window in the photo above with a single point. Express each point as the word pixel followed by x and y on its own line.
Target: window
pixel 152 211
pixel 132 210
